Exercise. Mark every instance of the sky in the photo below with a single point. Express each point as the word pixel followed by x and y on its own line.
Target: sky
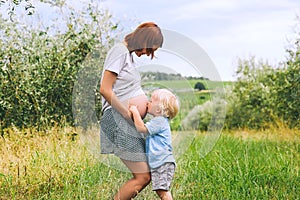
pixel 225 29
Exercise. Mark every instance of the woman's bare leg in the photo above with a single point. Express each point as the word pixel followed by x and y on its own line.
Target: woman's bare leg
pixel 141 178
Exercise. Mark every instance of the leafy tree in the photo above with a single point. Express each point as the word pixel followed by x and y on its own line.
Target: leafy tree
pixel 287 88
pixel 264 95
pixel 250 103
pixel 159 76
pixel 28 6
pixel 39 66
pixel 11 6
pixel 199 86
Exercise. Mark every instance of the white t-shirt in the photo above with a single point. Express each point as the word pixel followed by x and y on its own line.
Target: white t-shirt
pixel 128 83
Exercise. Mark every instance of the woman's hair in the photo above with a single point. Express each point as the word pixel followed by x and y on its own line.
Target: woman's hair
pixel 147 35
pixel 168 102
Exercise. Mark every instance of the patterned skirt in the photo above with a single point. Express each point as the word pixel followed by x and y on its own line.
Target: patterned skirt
pixel 119 137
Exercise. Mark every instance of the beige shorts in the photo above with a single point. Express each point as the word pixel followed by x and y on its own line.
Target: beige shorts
pixel 162 176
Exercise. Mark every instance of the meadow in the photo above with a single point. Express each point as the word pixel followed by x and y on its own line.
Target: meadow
pixel 243 164
pixel 256 156
pixel 57 163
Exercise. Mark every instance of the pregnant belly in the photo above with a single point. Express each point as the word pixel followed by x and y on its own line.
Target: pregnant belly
pixel 141 103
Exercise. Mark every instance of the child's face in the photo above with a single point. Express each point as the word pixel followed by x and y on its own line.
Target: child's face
pixel 153 106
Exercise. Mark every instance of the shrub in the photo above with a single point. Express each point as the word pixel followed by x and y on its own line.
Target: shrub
pixel 39 66
pixel 199 86
pixel 264 96
pixel 209 115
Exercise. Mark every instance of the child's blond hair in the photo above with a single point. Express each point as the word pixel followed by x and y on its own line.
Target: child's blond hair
pixel 169 103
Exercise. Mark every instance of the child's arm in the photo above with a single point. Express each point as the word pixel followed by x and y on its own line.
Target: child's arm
pixel 138 122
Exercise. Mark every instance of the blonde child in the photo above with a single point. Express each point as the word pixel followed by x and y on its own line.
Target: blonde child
pixel 163 106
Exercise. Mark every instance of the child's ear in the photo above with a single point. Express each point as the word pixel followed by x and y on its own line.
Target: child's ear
pixel 158 110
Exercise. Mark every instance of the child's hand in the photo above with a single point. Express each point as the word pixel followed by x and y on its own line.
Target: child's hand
pixel 133 109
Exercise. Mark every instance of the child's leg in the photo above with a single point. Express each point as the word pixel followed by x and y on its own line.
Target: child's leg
pixel 161 180
pixel 164 194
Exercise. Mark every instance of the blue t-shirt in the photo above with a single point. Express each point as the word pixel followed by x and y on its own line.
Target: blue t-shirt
pixel 159 142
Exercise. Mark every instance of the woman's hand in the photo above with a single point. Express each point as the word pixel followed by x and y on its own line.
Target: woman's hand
pixel 128 117
pixel 138 122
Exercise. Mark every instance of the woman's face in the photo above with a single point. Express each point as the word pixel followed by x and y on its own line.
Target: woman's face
pixel 144 51
pixel 140 52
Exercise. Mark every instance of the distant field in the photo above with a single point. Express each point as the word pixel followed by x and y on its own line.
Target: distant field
pixel 190 84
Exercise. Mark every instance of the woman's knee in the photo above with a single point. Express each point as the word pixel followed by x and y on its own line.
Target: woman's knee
pixel 144 179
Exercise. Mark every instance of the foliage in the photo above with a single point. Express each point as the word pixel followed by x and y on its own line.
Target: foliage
pixel 12 4
pixel 207 114
pixel 28 6
pixel 197 78
pixel 287 89
pixel 159 76
pixel 199 86
pixel 39 66
pixel 264 96
pixel 251 96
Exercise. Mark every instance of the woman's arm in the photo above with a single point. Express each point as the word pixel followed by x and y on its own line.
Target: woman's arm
pixel 138 122
pixel 108 80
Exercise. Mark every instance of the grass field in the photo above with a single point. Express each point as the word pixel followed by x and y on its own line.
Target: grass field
pixel 242 165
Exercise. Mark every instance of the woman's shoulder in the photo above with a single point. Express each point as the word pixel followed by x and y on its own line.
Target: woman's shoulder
pixel 118 49
pixel 118 53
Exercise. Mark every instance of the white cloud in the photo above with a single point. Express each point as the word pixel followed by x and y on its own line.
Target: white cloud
pixel 225 29
pixel 203 9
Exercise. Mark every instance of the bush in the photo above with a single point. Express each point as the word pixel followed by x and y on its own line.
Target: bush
pixel 199 86
pixel 209 115
pixel 264 96
pixel 39 66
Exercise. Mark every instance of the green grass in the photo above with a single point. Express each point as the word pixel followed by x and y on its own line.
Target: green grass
pixel 257 165
pixel 241 169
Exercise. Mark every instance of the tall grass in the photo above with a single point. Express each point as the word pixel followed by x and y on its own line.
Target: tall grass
pixel 240 168
pixel 243 165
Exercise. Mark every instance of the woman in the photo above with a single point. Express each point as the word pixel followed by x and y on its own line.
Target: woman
pixel 120 88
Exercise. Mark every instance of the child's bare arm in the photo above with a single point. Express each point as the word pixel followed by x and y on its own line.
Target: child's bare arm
pixel 138 122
